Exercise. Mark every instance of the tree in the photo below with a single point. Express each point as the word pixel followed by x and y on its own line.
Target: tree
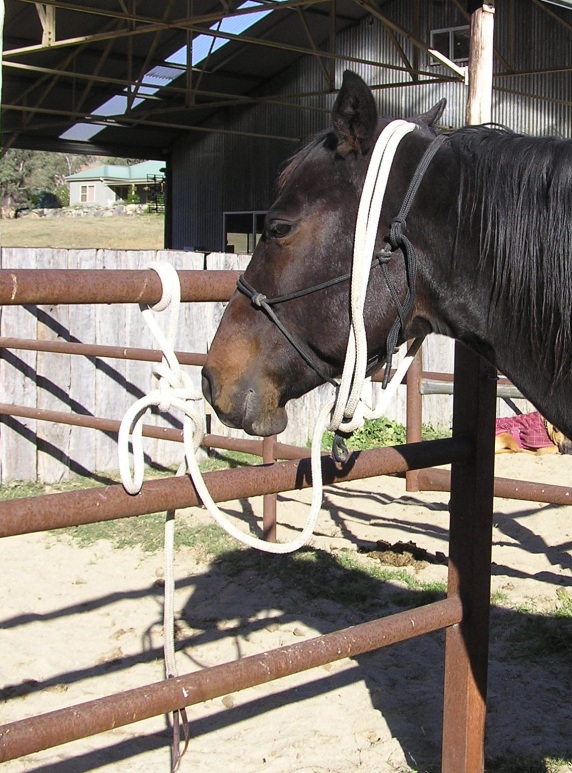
pixel 15 170
pixel 24 173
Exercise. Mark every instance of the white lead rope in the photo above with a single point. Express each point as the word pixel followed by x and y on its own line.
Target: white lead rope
pixel 346 411
pixel 349 398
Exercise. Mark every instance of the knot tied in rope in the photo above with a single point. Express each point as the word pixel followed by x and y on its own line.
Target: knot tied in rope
pixel 258 299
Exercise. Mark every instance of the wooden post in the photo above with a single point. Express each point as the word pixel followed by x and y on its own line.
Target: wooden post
pixel 481 65
pixel 472 485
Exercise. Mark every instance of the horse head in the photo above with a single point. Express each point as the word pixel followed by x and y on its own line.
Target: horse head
pixel 285 330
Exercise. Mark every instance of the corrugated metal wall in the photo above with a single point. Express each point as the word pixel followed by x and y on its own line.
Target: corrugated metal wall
pixel 229 172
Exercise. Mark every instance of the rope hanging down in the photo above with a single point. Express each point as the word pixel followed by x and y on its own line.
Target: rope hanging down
pixel 175 391
pixel 349 410
pixel 346 417
pixel 345 412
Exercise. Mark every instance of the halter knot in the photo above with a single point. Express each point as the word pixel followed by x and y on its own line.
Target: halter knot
pixel 258 299
pixel 395 237
pixel 384 255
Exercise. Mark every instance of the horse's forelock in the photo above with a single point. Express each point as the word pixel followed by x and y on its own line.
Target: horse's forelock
pixel 294 162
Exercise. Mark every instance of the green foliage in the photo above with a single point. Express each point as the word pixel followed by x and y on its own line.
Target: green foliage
pixel 523 764
pixel 15 170
pixel 133 197
pixel 542 635
pixel 63 194
pixel 381 432
pixel 24 173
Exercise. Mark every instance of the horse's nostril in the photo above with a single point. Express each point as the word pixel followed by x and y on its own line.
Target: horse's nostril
pixel 207 386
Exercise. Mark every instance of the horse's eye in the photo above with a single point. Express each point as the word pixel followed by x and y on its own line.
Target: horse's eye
pixel 277 229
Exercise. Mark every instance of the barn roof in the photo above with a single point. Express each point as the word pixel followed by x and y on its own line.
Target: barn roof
pixel 111 77
pixel 120 69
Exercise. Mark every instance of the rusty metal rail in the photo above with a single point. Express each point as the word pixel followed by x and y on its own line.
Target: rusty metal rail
pixel 508 488
pixel 464 613
pixel 90 286
pixel 98 350
pixel 244 445
pixel 55 511
pixel 69 724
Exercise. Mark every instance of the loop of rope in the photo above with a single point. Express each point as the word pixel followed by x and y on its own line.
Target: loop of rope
pixel 348 411
pixel 344 413
pixel 175 391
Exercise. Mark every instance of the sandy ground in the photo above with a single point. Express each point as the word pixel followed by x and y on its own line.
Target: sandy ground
pixel 79 623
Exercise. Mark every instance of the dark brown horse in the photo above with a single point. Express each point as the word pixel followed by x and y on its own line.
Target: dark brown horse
pixel 484 257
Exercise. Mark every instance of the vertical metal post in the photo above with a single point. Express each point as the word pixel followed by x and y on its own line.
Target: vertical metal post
pixel 269 501
pixel 332 46
pixel 471 507
pixel 414 415
pixel 472 487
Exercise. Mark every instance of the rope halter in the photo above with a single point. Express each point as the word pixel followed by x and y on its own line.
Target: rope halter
pixel 347 414
pixel 346 411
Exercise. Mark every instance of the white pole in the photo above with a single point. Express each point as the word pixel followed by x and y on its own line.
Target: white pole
pixel 479 100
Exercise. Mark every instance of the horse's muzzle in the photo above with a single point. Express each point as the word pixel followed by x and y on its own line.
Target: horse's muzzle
pixel 242 406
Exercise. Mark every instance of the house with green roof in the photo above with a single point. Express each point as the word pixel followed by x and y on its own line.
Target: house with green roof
pixel 109 184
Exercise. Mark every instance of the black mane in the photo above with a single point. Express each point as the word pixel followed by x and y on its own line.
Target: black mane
pixel 515 197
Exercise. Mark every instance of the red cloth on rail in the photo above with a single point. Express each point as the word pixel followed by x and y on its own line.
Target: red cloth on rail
pixel 528 430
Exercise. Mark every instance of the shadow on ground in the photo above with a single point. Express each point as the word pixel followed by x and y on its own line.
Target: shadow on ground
pixel 530 713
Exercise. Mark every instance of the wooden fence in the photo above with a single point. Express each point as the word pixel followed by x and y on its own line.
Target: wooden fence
pixel 49 452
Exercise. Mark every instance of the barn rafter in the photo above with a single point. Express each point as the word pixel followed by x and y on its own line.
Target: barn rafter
pixel 146 74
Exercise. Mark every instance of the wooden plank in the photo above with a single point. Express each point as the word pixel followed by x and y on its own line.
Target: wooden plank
pixel 214 261
pixel 18 381
pixel 53 381
pixel 479 100
pixel 112 395
pixel 82 442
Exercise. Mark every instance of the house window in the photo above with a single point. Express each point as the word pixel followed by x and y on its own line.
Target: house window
pixel 242 230
pixel 453 43
pixel 121 192
pixel 87 194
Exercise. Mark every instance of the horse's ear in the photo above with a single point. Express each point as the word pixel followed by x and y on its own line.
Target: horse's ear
pixel 431 117
pixel 354 115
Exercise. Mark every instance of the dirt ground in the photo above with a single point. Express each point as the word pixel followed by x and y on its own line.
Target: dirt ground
pixel 78 623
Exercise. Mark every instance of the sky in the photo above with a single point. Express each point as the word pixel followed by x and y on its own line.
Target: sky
pixel 160 76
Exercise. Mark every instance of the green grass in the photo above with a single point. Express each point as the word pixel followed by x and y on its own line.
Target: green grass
pixel 144 531
pixel 527 765
pixel 544 634
pixel 343 577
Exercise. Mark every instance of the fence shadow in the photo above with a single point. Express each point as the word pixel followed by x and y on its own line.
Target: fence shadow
pixel 405 680
pixel 246 598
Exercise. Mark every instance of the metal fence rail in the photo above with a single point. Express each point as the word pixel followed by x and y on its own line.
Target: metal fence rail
pixel 464 614
pixel 84 719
